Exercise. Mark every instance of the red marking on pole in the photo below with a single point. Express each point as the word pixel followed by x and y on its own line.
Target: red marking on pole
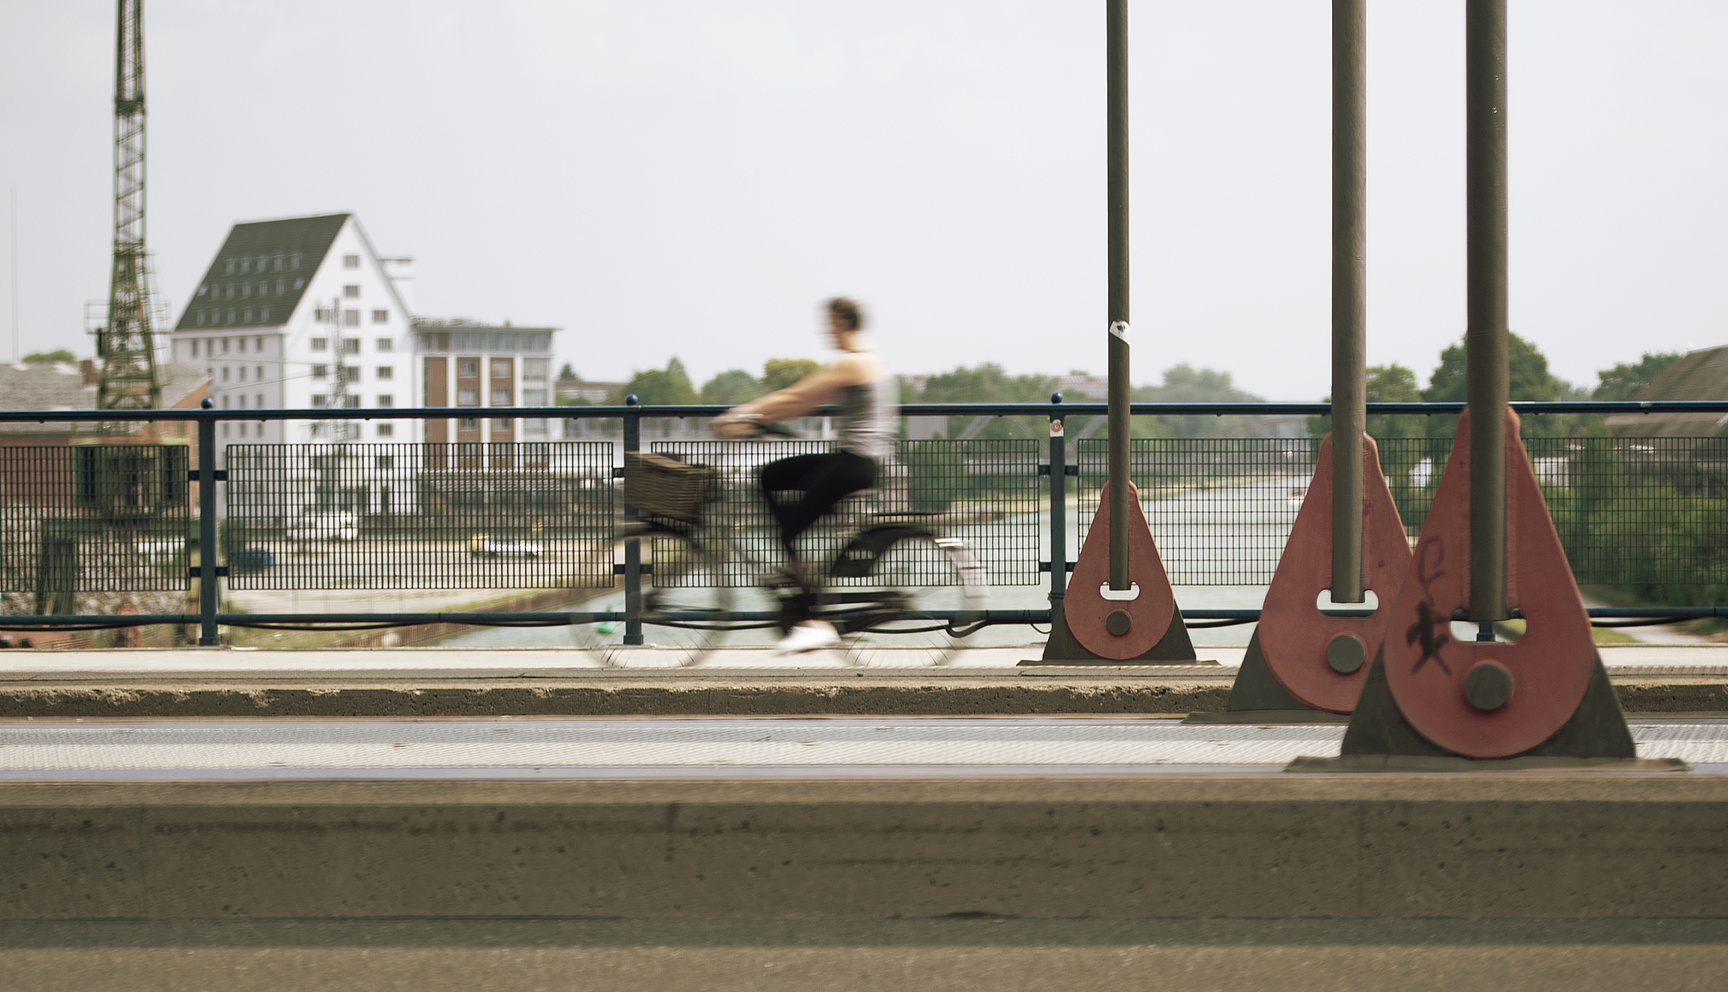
pixel 1085 607
pixel 1294 634
pixel 1551 664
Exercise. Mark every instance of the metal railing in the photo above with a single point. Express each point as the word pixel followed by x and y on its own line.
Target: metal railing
pixel 83 516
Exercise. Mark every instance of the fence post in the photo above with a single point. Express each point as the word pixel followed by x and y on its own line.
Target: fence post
pixel 1058 508
pixel 207 526
pixel 632 545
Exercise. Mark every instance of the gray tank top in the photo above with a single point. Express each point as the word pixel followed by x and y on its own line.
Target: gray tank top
pixel 869 418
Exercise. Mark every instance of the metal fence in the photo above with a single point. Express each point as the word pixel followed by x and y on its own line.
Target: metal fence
pixel 87 516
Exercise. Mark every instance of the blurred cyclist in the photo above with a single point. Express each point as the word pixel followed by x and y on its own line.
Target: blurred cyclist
pixel 802 489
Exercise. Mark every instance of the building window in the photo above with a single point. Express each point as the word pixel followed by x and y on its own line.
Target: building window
pixel 263 289
pixel 294 261
pixel 248 317
pixel 264 315
pixel 538 429
pixel 351 262
pixel 242 429
pixel 468 424
pixel 351 402
pixel 380 316
pixel 467 397
pixel 228 291
pixel 277 263
pixel 246 264
pixel 351 318
pixel 320 344
pixel 261 260
pixel 258 345
pixel 385 430
pixel 350 373
pixel 242 373
pixel 281 285
pixel 501 368
pixel 385 344
pixel 194 352
pixel 260 373
pixel 351 346
pixel 259 404
pixel 320 402
pixel 386 401
pixel 299 283
pixel 535 369
pixel 533 397
pixel 386 372
pixel 224 374
pixel 224 430
pixel 245 291
pixel 242 398
pixel 242 346
pixel 201 289
pixel 230 269
pixel 316 431
pixel 467 368
pixel 200 317
pixel 320 371
pixel 321 315
pixel 500 397
pixel 225 343
pixel 351 292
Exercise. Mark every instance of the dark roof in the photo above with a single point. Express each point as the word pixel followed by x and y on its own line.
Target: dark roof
pixel 60 386
pixel 292 249
pixel 1697 375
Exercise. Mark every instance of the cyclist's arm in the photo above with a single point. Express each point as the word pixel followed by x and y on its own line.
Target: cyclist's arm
pixel 814 390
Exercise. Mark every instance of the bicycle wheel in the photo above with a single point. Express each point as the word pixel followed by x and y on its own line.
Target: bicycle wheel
pixel 685 599
pixel 923 588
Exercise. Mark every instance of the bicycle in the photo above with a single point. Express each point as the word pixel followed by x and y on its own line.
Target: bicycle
pixel 898 590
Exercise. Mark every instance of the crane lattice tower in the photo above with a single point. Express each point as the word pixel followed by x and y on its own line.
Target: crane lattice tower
pixel 125 343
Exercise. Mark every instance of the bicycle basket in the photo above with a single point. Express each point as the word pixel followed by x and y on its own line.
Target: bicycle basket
pixel 659 486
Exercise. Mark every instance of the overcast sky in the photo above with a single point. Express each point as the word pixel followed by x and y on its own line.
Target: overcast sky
pixel 673 177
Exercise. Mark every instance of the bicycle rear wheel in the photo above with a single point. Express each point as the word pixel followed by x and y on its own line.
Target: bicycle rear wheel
pixel 685 599
pixel 928 587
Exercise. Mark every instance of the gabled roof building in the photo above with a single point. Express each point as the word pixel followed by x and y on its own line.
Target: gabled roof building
pixel 303 313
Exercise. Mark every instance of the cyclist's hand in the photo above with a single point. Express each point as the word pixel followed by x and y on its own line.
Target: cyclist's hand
pixel 736 426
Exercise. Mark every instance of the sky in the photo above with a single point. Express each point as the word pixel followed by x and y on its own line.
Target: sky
pixel 683 178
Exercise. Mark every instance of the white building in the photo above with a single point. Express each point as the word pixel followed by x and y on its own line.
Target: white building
pixel 303 313
pixel 489 367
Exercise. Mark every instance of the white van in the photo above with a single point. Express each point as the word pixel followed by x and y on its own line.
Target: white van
pixel 315 526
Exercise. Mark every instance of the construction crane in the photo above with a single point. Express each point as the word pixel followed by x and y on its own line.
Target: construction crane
pixel 125 343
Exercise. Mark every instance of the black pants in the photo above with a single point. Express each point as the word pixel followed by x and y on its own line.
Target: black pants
pixel 817 483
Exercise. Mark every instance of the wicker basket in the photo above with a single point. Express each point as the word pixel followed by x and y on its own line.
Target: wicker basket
pixel 659 486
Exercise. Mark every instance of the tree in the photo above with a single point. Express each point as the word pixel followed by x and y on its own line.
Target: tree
pixel 45 357
pixel 660 387
pixel 1626 380
pixel 1528 378
pixel 988 383
pixel 778 373
pixel 731 387
pixel 1186 384
pixel 567 374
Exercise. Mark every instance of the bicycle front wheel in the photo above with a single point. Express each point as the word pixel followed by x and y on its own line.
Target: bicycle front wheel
pixel 685 601
pixel 929 587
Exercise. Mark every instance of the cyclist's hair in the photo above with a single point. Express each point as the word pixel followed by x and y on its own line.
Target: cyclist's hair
pixel 849 312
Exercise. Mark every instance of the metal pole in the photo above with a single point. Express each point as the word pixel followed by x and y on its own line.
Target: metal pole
pixel 632 545
pixel 1116 71
pixel 1349 292
pixel 1486 311
pixel 1058 507
pixel 207 634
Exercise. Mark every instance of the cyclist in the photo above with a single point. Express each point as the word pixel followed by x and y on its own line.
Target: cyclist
pixel 802 489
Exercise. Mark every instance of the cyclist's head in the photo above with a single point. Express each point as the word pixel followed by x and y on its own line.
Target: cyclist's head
pixel 847 312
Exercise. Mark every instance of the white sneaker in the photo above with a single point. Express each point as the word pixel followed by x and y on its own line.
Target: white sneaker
pixel 807 637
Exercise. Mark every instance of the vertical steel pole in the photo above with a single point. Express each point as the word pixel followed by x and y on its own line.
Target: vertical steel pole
pixel 1486 308
pixel 1116 70
pixel 1349 292
pixel 632 545
pixel 1058 508
pixel 207 599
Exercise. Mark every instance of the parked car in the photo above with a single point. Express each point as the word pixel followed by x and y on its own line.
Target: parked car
pixel 250 559
pixel 487 546
pixel 315 526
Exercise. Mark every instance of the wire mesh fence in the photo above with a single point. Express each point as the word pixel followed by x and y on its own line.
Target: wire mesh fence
pixel 506 515
pixel 985 492
pixel 93 516
pixel 1646 514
